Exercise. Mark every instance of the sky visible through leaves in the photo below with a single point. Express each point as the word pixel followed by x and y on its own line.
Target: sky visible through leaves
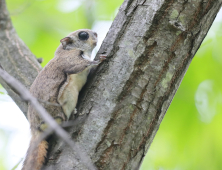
pixel 189 137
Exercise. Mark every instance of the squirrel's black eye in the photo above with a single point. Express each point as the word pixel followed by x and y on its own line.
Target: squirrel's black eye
pixel 83 35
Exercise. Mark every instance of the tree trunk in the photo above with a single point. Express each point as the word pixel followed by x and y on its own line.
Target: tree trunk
pixel 149 46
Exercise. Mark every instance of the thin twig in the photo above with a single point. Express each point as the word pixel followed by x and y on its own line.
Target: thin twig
pixel 25 95
pixel 49 131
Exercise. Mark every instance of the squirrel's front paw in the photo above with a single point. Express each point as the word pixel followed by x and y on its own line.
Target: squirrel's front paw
pixel 102 57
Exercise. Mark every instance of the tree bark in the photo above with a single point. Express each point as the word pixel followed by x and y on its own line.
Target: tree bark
pixel 15 57
pixel 149 46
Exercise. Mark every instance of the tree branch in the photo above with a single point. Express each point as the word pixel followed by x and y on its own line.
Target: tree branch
pixel 15 57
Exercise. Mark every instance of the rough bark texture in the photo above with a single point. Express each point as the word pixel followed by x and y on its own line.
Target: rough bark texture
pixel 150 46
pixel 15 57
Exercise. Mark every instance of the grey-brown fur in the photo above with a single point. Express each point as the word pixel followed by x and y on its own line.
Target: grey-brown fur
pixel 47 84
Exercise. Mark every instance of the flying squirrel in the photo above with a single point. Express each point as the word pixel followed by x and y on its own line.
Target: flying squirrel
pixel 59 82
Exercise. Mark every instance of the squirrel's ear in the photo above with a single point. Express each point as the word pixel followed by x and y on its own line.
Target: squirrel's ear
pixel 65 41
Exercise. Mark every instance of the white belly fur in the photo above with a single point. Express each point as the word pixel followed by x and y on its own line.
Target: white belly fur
pixel 69 92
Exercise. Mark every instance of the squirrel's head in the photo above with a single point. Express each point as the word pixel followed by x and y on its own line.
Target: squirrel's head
pixel 84 40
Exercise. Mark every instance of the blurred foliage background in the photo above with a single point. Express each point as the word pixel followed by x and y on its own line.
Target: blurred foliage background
pixel 189 137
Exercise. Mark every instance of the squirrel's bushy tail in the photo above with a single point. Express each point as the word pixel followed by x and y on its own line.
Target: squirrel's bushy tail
pixel 36 154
